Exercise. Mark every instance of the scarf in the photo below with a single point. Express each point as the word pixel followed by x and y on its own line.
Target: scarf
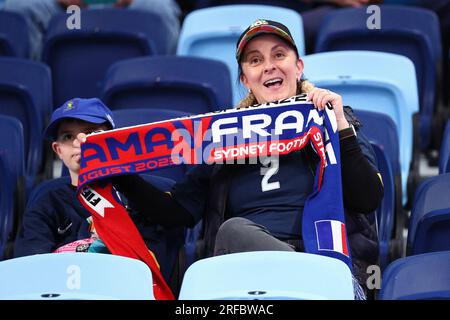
pixel 268 129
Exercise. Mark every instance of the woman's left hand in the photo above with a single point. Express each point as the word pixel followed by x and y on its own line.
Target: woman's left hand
pixel 320 98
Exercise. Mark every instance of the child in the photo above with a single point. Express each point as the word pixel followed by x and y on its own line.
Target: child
pixel 57 221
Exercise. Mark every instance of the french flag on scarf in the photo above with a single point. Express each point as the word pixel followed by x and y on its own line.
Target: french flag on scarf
pixel 331 236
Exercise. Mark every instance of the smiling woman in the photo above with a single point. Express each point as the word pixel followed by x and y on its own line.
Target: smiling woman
pixel 271 69
pixel 260 205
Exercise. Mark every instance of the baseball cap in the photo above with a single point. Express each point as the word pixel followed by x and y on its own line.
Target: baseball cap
pixel 90 110
pixel 262 26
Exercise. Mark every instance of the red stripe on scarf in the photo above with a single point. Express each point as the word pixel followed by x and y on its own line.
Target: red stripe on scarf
pixel 121 237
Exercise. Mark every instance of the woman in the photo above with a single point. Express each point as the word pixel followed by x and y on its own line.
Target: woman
pixel 245 209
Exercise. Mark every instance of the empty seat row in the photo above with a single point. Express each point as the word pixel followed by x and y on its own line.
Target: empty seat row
pixel 243 276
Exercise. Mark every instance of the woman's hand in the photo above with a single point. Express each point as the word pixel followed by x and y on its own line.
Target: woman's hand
pixel 320 98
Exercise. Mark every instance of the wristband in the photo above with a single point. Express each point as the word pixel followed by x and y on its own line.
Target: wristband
pixel 347 132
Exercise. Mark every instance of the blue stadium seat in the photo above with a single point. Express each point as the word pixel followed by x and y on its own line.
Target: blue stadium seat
pixel 387 86
pixel 25 93
pixel 386 211
pixel 74 276
pixel 444 153
pixel 189 84
pixel 6 207
pixel 294 5
pixel 429 225
pixel 11 184
pixel 14 40
pixel 400 33
pixel 131 117
pixel 419 277
pixel 267 275
pixel 80 58
pixel 199 37
pixel 382 132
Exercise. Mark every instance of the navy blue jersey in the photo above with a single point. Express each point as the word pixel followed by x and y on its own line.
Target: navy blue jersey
pixel 272 193
pixel 274 198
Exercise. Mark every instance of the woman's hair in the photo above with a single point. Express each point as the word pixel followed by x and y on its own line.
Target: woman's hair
pixel 303 86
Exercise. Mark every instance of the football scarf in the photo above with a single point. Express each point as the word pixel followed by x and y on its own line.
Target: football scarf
pixel 262 130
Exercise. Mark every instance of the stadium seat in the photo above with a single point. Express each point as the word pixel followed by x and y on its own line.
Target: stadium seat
pixel 429 225
pixel 400 33
pixel 386 211
pixel 11 184
pixel 75 276
pixel 444 153
pixel 6 208
pixel 14 40
pixel 217 40
pixel 294 5
pixel 382 132
pixel 267 275
pixel 131 117
pixel 189 84
pixel 25 93
pixel 387 86
pixel 80 58
pixel 419 277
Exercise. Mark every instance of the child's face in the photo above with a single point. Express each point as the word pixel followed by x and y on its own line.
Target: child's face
pixel 64 146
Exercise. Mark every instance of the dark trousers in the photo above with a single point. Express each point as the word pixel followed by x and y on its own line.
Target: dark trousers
pixel 242 235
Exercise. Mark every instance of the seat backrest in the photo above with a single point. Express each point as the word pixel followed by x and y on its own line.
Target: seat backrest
pixel 6 206
pixel 418 277
pixel 387 86
pixel 25 93
pixel 75 276
pixel 131 117
pixel 199 37
pixel 12 146
pixel 399 33
pixel 444 153
pixel 381 130
pixel 14 40
pixel 267 275
pixel 294 5
pixel 189 84
pixel 386 210
pixel 12 171
pixel 107 36
pixel 429 224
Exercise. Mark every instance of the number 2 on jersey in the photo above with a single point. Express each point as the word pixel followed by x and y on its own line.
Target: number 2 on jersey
pixel 270 168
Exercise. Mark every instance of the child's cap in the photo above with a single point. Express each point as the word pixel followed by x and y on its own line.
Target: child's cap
pixel 90 110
